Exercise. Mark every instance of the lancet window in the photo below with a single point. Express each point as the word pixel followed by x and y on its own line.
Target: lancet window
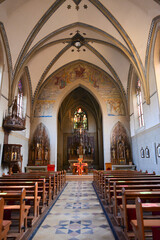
pixel 139 104
pixel 80 119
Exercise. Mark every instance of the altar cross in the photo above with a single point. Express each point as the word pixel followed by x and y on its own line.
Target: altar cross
pixel 80 165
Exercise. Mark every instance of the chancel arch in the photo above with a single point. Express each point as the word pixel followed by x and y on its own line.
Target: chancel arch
pixel 55 95
pixel 86 141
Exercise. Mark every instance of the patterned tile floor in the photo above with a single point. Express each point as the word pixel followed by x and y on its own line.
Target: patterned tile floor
pixel 76 215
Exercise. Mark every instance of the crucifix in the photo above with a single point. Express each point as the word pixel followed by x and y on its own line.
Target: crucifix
pixel 80 166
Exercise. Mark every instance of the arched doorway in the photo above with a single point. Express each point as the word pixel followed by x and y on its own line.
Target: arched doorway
pixel 67 136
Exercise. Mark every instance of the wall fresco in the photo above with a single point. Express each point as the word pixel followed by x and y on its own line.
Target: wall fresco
pixel 105 87
pixel 44 108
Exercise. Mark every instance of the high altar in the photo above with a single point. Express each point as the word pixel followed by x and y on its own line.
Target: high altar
pixel 80 145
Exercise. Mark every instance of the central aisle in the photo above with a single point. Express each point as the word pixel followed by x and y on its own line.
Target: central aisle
pixel 76 215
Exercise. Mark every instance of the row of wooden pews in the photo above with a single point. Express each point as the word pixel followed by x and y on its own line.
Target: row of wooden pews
pixel 24 197
pixel 133 199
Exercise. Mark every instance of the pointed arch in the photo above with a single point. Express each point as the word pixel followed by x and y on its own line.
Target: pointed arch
pixel 117 84
pixel 8 59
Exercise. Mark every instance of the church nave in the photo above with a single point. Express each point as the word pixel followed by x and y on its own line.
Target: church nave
pixel 77 214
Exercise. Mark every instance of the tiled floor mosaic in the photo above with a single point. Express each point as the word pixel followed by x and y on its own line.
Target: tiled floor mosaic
pixel 76 215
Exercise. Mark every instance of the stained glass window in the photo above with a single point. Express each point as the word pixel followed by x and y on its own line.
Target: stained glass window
pixel 139 104
pixel 80 119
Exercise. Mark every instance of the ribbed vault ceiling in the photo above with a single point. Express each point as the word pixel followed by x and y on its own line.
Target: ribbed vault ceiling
pixel 40 36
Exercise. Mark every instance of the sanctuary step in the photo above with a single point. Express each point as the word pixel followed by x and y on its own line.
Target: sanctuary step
pixel 71 177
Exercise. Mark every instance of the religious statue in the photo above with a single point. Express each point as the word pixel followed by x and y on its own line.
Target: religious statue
pixel 121 148
pixel 127 154
pixel 84 151
pixel 39 151
pixel 46 154
pixel 77 150
pixel 113 153
pixel 14 108
pixel 80 150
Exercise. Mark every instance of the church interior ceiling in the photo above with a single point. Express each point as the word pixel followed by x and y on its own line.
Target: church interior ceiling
pixel 45 39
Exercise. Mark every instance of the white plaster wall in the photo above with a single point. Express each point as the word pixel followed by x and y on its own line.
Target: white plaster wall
pixel 151 112
pixel 150 138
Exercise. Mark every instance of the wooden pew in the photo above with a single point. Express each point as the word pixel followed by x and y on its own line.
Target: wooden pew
pixel 102 175
pixel 117 194
pixel 140 225
pixel 31 195
pixel 22 182
pixel 51 179
pixel 4 224
pixel 103 179
pixel 21 208
pixel 127 181
pixel 132 195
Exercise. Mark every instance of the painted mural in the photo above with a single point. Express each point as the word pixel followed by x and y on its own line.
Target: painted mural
pixel 44 108
pixel 105 87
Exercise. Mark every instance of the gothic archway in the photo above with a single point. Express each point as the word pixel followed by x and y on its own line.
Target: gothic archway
pixel 68 139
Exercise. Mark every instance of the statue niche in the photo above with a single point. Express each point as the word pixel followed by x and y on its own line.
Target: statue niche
pixel 120 146
pixel 39 154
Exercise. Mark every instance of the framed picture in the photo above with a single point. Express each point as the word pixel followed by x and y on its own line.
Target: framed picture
pixel 158 150
pixel 142 153
pixel 147 152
